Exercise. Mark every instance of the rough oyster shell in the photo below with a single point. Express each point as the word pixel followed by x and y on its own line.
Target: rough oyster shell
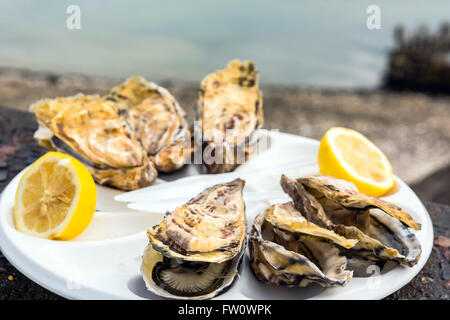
pixel 380 227
pixel 121 137
pixel 229 110
pixel 286 249
pixel 157 120
pixel 91 129
pixel 194 252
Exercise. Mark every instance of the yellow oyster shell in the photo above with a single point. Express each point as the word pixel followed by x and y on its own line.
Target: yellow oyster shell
pixel 157 120
pixel 122 137
pixel 229 111
pixel 91 128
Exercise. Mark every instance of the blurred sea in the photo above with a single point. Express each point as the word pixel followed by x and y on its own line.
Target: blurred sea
pixel 309 43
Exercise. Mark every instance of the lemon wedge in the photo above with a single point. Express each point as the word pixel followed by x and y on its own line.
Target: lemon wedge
pixel 55 198
pixel 347 154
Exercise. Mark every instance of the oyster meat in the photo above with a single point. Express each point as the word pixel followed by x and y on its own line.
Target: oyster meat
pixel 91 129
pixel 286 249
pixel 229 110
pixel 122 137
pixel 195 251
pixel 381 228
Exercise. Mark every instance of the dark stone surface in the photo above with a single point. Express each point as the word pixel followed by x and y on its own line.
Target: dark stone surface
pixel 3 175
pixel 17 150
pixel 435 187
pixel 431 282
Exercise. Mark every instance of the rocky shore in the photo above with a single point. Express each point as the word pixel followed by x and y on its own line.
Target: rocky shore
pixel 412 129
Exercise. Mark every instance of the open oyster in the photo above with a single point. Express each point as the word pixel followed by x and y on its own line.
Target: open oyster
pixel 157 120
pixel 91 129
pixel 195 251
pixel 381 228
pixel 286 249
pixel 229 111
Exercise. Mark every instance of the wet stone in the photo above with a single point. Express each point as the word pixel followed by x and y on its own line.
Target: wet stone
pixel 446 255
pixel 8 150
pixel 447 285
pixel 426 280
pixel 3 175
pixel 21 156
pixel 442 241
pixel 17 167
pixel 426 294
pixel 445 274
pixel 17 139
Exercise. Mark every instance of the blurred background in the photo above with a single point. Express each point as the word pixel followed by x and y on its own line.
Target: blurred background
pixel 320 66
pixel 310 43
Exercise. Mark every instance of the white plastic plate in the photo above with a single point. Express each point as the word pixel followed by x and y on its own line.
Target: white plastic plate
pixel 104 261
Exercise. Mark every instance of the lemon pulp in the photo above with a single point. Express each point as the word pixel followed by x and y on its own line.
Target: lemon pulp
pixel 347 154
pixel 56 198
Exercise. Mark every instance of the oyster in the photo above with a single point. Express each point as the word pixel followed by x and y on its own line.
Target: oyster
pixel 157 120
pixel 381 228
pixel 229 111
pixel 123 137
pixel 195 251
pixel 286 249
pixel 91 129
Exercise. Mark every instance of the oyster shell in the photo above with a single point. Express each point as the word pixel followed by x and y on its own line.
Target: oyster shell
pixel 157 120
pixel 286 249
pixel 381 228
pixel 123 137
pixel 91 129
pixel 194 252
pixel 229 111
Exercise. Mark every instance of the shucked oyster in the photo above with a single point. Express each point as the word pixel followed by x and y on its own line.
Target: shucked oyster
pixel 381 228
pixel 288 250
pixel 195 251
pixel 157 120
pixel 229 111
pixel 91 129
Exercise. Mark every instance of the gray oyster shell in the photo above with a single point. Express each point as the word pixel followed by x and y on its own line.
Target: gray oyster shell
pixel 293 252
pixel 195 251
pixel 337 205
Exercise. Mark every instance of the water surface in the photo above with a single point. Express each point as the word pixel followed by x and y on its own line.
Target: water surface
pixel 312 43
